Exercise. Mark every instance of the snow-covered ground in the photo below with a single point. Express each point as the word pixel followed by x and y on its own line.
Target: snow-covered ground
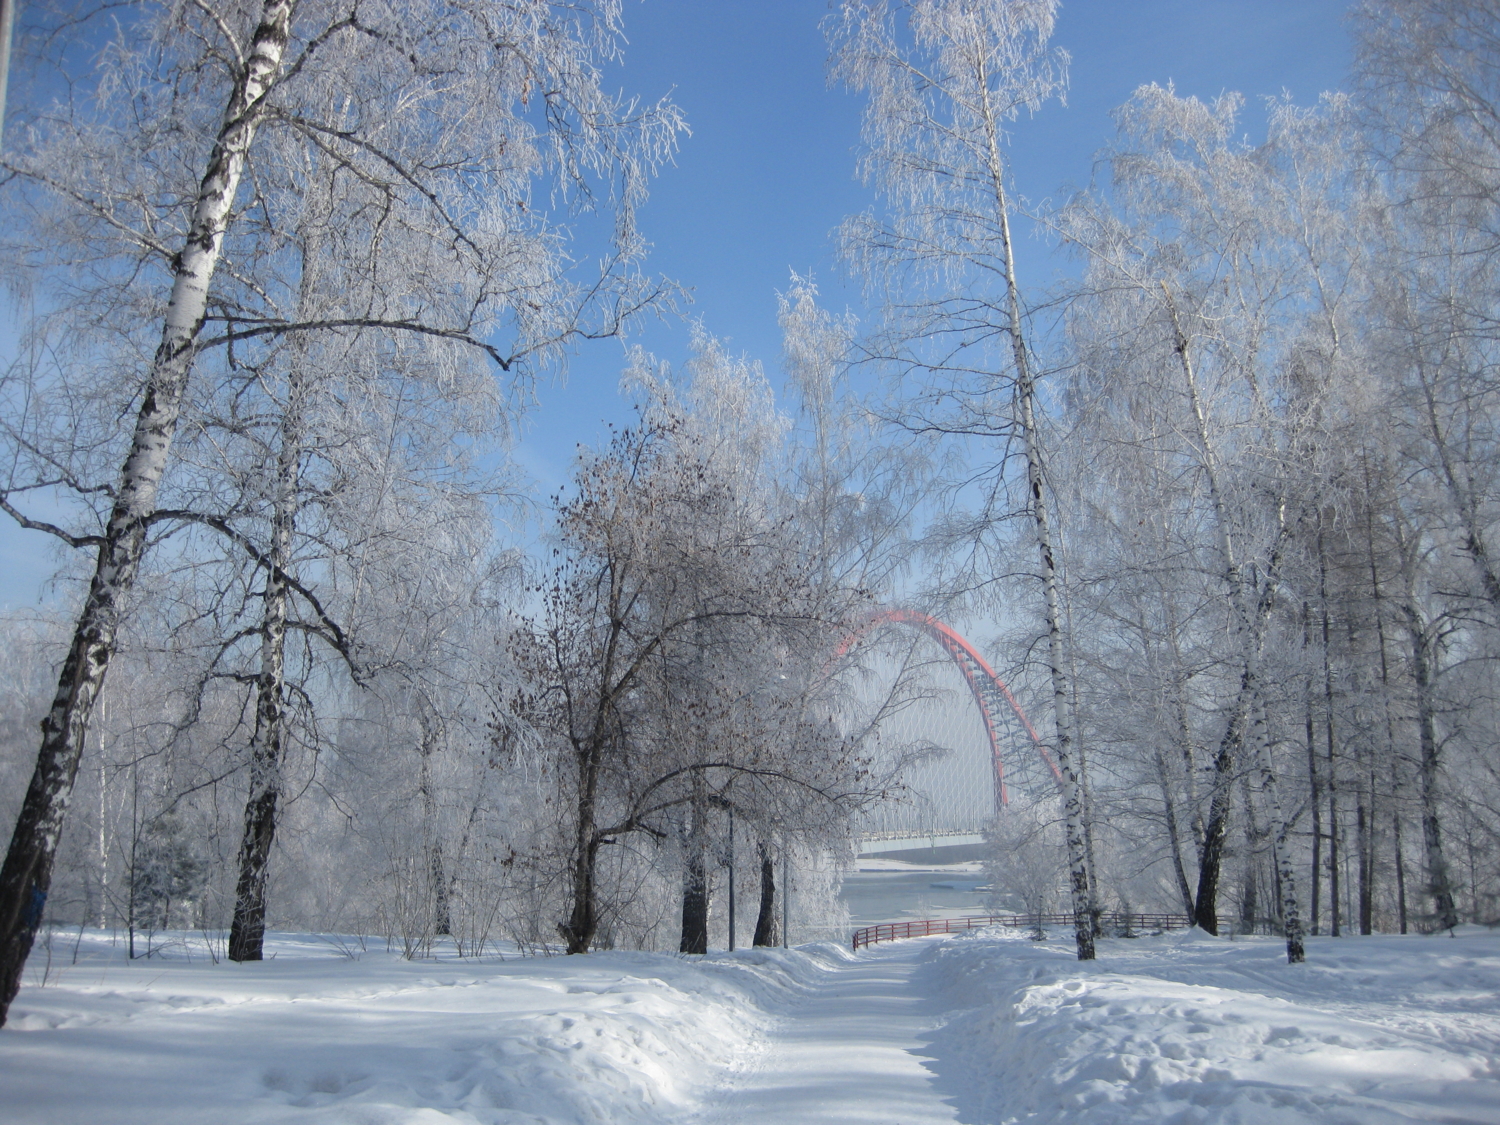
pixel 312 1035
pixel 1186 1028
pixel 984 1027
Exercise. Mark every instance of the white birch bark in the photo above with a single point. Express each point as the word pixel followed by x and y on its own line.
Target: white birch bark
pixel 7 26
pixel 1281 844
pixel 1067 750
pixel 27 873
pixel 1245 640
pixel 267 742
pixel 941 90
pixel 1439 880
pixel 1251 618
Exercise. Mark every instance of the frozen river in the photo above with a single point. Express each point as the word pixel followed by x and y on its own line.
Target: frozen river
pixel 874 895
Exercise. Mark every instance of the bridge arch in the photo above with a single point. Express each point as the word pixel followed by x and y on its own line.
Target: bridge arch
pixel 991 696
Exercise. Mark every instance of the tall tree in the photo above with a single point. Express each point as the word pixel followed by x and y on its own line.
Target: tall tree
pixel 673 663
pixel 1428 85
pixel 27 873
pixel 1216 347
pixel 944 78
pixel 438 118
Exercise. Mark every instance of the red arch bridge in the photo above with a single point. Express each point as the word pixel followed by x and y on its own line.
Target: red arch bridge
pixel 969 733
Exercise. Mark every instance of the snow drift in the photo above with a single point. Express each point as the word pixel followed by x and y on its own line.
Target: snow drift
pixel 1178 1028
pixel 1187 1028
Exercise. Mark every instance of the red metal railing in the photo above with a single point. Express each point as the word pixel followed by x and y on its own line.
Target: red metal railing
pixel 1117 921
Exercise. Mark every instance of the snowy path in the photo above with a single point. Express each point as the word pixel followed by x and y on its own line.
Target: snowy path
pixel 852 1051
pixel 984 1028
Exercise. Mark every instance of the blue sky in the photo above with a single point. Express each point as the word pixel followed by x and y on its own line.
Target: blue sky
pixel 769 170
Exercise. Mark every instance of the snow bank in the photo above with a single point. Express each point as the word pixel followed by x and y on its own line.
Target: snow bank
pixel 311 1036
pixel 987 1027
pixel 1187 1028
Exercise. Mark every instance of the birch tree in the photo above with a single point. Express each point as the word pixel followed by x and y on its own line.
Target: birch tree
pixel 1219 344
pixel 26 876
pixel 944 78
pixel 165 178
pixel 1428 88
pixel 354 472
pixel 1430 93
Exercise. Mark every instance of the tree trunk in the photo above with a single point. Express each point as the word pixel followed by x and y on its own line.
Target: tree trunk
pixel 1096 909
pixel 1186 743
pixel 268 742
pixel 1313 781
pixel 1390 732
pixel 103 842
pixel 1173 836
pixel 442 911
pixel 583 915
pixel 442 920
pixel 1251 616
pixel 589 750
pixel 694 904
pixel 694 938
pixel 765 920
pixel 27 873
pixel 1364 823
pixel 247 930
pixel 1249 893
pixel 1216 829
pixel 1286 870
pixel 1439 884
pixel 1400 870
pixel 1076 828
pixel 1334 922
pixel 1291 921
